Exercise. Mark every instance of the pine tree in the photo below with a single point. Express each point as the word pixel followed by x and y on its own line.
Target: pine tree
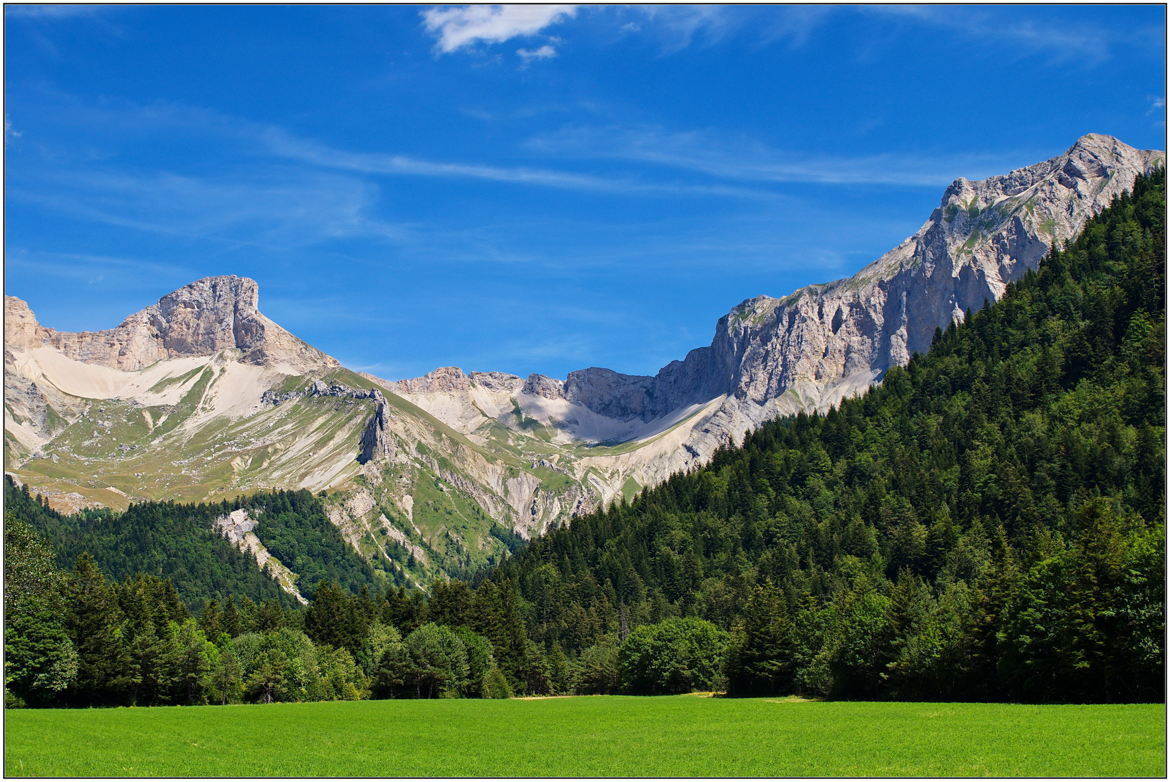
pixel 762 655
pixel 96 625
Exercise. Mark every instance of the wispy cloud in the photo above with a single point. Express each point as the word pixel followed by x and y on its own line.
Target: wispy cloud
pixel 270 143
pixel 749 160
pixel 673 27
pixel 792 25
pixel 1059 41
pixel 677 27
pixel 546 52
pixel 52 12
pixel 680 26
pixel 92 268
pixel 283 191
pixel 9 131
pixel 305 151
pixel 274 208
pixel 465 26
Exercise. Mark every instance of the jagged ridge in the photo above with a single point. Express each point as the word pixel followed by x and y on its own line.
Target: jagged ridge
pixel 433 463
pixel 199 319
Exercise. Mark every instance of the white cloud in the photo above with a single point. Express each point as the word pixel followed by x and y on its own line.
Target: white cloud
pixel 50 12
pixel 89 268
pixel 1062 42
pixel 545 52
pixel 749 160
pixel 1157 110
pixel 675 28
pixel 9 131
pixel 280 207
pixel 290 147
pixel 463 26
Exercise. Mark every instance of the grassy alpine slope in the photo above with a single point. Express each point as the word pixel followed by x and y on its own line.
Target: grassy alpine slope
pixel 591 736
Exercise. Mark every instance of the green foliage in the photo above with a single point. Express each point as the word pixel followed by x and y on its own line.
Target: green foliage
pixel 337 618
pixel 674 656
pixel 495 684
pixel 40 660
pixel 95 623
pixel 761 658
pixel 379 638
pixel 284 665
pixel 438 662
pixel 986 524
pixel 597 669
pixel 295 529
pixel 179 542
pixel 481 663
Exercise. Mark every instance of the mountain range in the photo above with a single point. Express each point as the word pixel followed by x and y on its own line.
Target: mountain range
pixel 200 396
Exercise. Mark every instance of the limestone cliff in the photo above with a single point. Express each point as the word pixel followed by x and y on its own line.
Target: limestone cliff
pixel 200 319
pixel 808 350
pixel 982 236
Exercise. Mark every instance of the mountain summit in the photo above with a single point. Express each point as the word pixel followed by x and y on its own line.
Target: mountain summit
pixel 201 396
pixel 812 348
pixel 199 319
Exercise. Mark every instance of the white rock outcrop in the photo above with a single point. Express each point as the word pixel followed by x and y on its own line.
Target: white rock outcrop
pixel 200 319
pixel 238 527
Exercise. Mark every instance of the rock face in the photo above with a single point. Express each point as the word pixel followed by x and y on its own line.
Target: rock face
pixel 238 527
pixel 376 442
pixel 982 236
pixel 200 319
pixel 200 396
pixel 812 348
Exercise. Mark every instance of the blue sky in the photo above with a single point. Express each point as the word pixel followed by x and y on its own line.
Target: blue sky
pixel 524 188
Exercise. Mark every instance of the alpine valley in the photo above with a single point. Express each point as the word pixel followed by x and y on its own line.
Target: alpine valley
pixel 200 397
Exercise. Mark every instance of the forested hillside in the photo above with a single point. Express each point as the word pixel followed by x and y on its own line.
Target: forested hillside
pixel 989 523
pixel 179 542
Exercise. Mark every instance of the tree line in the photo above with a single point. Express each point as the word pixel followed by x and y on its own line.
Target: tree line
pixel 179 542
pixel 74 638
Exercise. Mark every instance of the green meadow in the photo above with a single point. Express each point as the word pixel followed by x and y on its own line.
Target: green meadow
pixel 591 736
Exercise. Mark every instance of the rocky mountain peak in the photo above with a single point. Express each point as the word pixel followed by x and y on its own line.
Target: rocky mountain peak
pixel 835 339
pixel 437 380
pixel 547 387
pixel 523 449
pixel 208 315
pixel 21 329
pixel 200 319
pixel 1096 143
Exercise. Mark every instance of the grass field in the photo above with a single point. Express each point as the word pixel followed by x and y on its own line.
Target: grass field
pixel 590 736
